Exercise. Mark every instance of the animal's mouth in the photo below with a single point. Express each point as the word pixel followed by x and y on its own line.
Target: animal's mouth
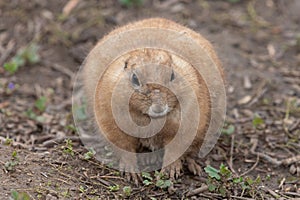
pixel 156 110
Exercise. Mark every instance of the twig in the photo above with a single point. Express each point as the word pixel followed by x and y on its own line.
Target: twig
pixel 8 49
pixel 274 194
pixel 276 162
pixel 197 191
pixel 269 158
pixel 281 183
pixel 69 7
pixel 50 143
pixel 242 198
pixel 254 142
pixel 231 153
pixel 259 93
pixel 60 68
pixel 291 160
pixel 294 126
pixel 256 98
pixel 252 168
pixel 292 193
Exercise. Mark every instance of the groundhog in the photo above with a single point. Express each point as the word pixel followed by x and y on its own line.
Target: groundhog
pixel 146 69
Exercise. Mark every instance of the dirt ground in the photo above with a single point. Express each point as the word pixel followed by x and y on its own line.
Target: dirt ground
pixel 258 43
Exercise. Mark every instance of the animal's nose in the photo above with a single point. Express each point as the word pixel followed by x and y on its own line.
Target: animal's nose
pixel 157 108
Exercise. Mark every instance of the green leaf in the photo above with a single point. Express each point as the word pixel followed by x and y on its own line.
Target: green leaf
pixel 168 183
pixel 8 141
pixel 257 181
pixel 9 165
pixel 147 175
pixel 212 187
pixel 14 195
pixel 19 60
pixel 147 182
pixel 82 189
pixel 29 113
pixel 159 183
pixel 11 67
pixel 114 188
pixel 90 154
pixel 224 171
pixel 222 191
pixel 158 175
pixel 41 103
pixel 14 154
pixel 212 172
pixel 127 190
pixel 31 54
pixel 229 130
pixel 249 181
pixel 238 180
pixel 27 55
pixel 257 121
pixel 163 183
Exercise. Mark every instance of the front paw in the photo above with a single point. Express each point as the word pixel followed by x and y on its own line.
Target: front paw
pixel 173 170
pixel 128 168
pixel 193 166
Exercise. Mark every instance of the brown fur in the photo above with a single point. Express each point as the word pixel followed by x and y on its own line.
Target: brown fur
pixel 141 101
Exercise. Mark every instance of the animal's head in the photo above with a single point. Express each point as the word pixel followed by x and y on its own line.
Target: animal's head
pixel 150 74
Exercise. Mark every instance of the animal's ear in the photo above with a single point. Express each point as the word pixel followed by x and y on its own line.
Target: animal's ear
pixel 125 65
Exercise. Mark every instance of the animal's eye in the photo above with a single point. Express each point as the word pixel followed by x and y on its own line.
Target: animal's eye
pixel 135 80
pixel 172 76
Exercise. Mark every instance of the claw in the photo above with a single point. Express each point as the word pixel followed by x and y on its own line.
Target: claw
pixel 173 170
pixel 136 178
pixel 193 166
pixel 127 168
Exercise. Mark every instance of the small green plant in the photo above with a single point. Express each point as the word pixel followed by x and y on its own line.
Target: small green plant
pixel 114 188
pixel 127 190
pixel 19 196
pixel 66 194
pixel 257 121
pixel 27 55
pixel 39 107
pixel 68 148
pixel 147 179
pixel 82 189
pixel 32 115
pixel 40 103
pixel 228 129
pixel 8 141
pixel 14 160
pixel 221 181
pixel 70 127
pixel 130 3
pixel 161 181
pixel 163 184
pixel 90 154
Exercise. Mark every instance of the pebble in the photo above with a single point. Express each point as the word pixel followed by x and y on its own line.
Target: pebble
pixel 244 100
pixel 247 82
